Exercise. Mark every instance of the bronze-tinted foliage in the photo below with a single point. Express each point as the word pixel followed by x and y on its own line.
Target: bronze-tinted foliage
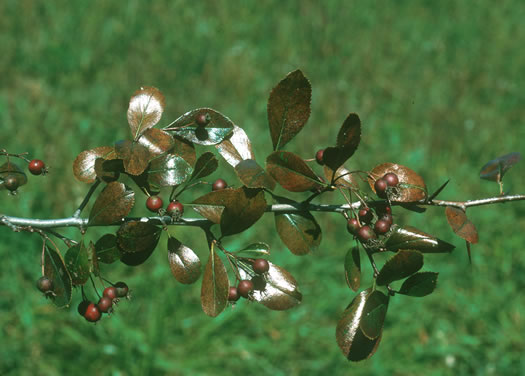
pixel 254 250
pixel 107 250
pixel 236 147
pixel 145 110
pixel 78 263
pixel 353 268
pixel 403 264
pixel 374 313
pixel 409 237
pixel 112 204
pixel 411 186
pixel 299 231
pixel 348 140
pixel 235 209
pixel 216 130
pixel 291 172
pixel 289 108
pixel 108 170
pixel 215 285
pixel 254 176
pixel 56 271
pixel 10 168
pixel 156 141
pixel 419 284
pixel 342 177
pixel 137 240
pixel 84 164
pixel 496 168
pixel 461 225
pixel 168 170
pixel 184 263
pixel 205 166
pixel 135 156
pixel 349 335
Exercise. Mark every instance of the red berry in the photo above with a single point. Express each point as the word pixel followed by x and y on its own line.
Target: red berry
pixel 245 287
pixel 202 119
pixel 353 226
pixel 219 184
pixel 11 183
pixel 44 284
pixel 382 226
pixel 380 186
pixel 110 292
pixel 154 203
pixel 36 167
pixel 365 215
pixel 175 208
pixel 122 289
pixel 365 233
pixel 391 179
pixel 92 313
pixel 261 266
pixel 319 157
pixel 82 307
pixel 233 294
pixel 104 304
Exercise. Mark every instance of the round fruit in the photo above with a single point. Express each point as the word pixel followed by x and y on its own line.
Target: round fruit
pixel 11 183
pixel 92 313
pixel 388 218
pixel 36 167
pixel 365 215
pixel 261 266
pixel 365 233
pixel 219 184
pixel 122 289
pixel 382 226
pixel 110 292
pixel 380 186
pixel 391 179
pixel 202 119
pixel 319 157
pixel 175 208
pixel 44 284
pixel 154 203
pixel 353 226
pixel 104 304
pixel 233 294
pixel 245 287
pixel 82 307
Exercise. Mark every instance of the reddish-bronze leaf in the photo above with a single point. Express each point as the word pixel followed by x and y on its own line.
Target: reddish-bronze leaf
pixel 84 165
pixel 299 231
pixel 236 148
pixel 135 156
pixel 156 141
pixel 461 225
pixel 353 268
pixel 78 263
pixel 342 177
pixel 168 170
pixel 291 172
pixel 374 313
pixel 215 285
pixel 404 263
pixel 289 108
pixel 217 127
pixel 107 250
pixel 254 176
pixel 135 236
pixel 348 140
pixel 411 186
pixel 145 110
pixel 419 284
pixel 205 166
pixel 108 170
pixel 409 237
pixel 55 269
pixel 185 149
pixel 184 263
pixel 12 169
pixel 112 204
pixel 496 168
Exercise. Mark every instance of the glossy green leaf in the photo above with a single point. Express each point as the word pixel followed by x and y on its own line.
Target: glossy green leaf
pixel 107 250
pixel 215 285
pixel 78 264
pixel 291 172
pixel 461 225
pixel 236 148
pixel 399 266
pixel 135 156
pixel 254 250
pixel 145 110
pixel 156 141
pixel 168 170
pixel 254 176
pixel 84 164
pixel 419 284
pixel 12 169
pixel 184 263
pixel 216 130
pixel 411 186
pixel 299 231
pixel 353 268
pixel 112 204
pixel 289 108
pixel 496 168
pixel 348 140
pixel 411 238
pixel 205 166
pixel 374 313
pixel 55 270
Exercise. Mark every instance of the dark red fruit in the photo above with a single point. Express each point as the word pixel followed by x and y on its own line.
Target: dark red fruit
pixel 82 307
pixel 92 313
pixel 353 226
pixel 44 284
pixel 388 218
pixel 154 203
pixel 383 209
pixel 202 119
pixel 365 215
pixel 104 304
pixel 391 179
pixel 122 289
pixel 245 287
pixel 233 294
pixel 365 233
pixel 175 208
pixel 380 186
pixel 261 266
pixel 110 292
pixel 219 184
pixel 11 183
pixel 319 157
pixel 382 226
pixel 36 167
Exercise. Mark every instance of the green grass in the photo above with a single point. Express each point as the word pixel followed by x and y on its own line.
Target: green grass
pixel 438 86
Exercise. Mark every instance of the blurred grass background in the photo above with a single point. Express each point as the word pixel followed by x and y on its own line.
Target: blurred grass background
pixel 438 86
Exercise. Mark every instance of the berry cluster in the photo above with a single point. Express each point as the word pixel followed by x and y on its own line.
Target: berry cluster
pixel 246 286
pixel 12 180
pixel 93 312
